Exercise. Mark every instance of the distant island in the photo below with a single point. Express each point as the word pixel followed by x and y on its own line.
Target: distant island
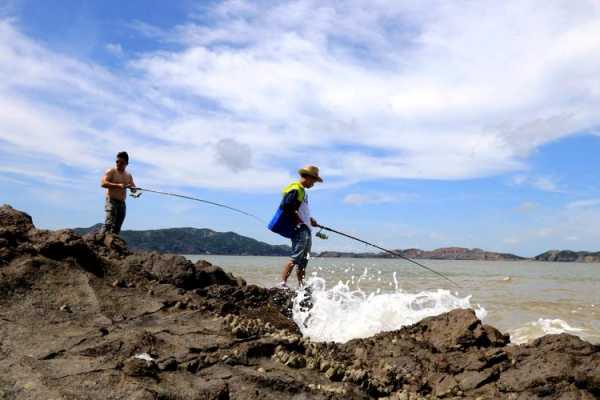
pixel 446 253
pixel 195 241
pixel 569 256
pixel 462 253
pixel 207 241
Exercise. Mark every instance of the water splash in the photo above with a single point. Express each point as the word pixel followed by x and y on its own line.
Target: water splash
pixel 340 314
pixel 541 327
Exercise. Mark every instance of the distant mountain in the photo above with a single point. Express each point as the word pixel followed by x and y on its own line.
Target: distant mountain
pixel 569 256
pixel 446 253
pixel 195 241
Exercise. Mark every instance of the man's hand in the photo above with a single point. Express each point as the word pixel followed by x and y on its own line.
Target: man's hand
pixel 313 222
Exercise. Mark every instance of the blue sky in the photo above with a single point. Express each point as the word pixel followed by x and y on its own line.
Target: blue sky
pixel 434 123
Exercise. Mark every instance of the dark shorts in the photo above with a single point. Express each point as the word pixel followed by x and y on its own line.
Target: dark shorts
pixel 115 215
pixel 301 244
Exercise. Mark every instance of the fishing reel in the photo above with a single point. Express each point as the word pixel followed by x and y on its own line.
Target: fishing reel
pixel 136 194
pixel 321 235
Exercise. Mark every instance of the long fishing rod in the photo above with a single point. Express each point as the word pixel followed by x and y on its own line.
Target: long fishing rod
pixel 200 200
pixel 389 251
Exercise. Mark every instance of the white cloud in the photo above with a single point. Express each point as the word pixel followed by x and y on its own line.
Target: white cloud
pixel 543 183
pixel 583 204
pixel 115 49
pixel 367 91
pixel 374 198
pixel 235 155
pixel 546 184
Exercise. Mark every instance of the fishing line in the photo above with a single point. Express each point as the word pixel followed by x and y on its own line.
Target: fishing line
pixel 199 200
pixel 388 251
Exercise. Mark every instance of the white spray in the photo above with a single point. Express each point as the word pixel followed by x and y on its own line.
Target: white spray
pixel 340 314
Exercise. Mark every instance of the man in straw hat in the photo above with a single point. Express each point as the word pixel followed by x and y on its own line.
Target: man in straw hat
pixel 293 220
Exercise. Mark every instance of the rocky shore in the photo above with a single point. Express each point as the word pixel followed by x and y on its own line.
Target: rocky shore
pixel 86 318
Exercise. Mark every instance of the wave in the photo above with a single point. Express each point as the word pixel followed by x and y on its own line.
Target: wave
pixel 340 314
pixel 541 327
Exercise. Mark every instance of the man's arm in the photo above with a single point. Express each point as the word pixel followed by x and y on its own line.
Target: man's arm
pixel 106 181
pixel 131 184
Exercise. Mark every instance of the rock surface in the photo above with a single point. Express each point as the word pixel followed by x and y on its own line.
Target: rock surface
pixel 85 318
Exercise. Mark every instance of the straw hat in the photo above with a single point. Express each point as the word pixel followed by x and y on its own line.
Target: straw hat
pixel 310 170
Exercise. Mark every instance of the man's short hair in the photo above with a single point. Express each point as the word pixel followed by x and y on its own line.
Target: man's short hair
pixel 123 155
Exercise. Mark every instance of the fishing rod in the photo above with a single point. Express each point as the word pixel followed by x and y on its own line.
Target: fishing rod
pixel 387 251
pixel 195 199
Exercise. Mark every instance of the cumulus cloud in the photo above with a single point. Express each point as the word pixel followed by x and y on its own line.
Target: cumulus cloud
pixel 235 155
pixel 369 91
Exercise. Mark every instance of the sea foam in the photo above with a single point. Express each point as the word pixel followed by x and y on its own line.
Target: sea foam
pixel 340 314
pixel 541 327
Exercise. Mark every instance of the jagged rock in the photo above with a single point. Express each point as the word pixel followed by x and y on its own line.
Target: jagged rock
pixel 170 364
pixel 296 362
pixel 458 329
pixel 15 221
pixel 137 367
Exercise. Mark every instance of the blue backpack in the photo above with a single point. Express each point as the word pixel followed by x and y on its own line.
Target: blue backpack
pixel 282 223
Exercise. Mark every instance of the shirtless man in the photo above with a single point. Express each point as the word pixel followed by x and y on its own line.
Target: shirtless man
pixel 116 181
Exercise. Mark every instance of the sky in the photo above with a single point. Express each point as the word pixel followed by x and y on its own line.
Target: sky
pixel 434 123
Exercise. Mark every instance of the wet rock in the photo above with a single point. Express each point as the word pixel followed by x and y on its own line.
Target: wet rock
pixel 137 367
pixel 66 308
pixel 296 361
pixel 334 374
pixel 458 329
pixel 118 283
pixel 445 386
pixel 170 364
pixel 470 380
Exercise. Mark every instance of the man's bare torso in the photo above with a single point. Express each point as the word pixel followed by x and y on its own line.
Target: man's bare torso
pixel 114 176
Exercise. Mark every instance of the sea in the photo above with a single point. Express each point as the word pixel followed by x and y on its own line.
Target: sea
pixel 356 297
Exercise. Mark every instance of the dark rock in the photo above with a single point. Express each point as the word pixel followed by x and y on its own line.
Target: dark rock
pixel 137 367
pixel 14 221
pixel 457 329
pixel 170 364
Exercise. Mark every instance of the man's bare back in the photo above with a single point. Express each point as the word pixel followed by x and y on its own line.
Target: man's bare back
pixel 113 175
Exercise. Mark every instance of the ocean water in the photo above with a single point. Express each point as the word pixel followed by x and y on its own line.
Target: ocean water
pixel 360 297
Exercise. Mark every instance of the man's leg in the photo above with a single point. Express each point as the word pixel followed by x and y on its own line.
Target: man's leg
pixel 296 256
pixel 287 270
pixel 300 275
pixel 110 217
pixel 120 217
pixel 306 242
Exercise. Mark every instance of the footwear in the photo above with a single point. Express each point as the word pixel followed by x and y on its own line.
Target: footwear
pixel 283 285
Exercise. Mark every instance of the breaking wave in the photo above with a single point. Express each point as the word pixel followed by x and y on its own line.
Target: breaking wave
pixel 541 327
pixel 340 313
